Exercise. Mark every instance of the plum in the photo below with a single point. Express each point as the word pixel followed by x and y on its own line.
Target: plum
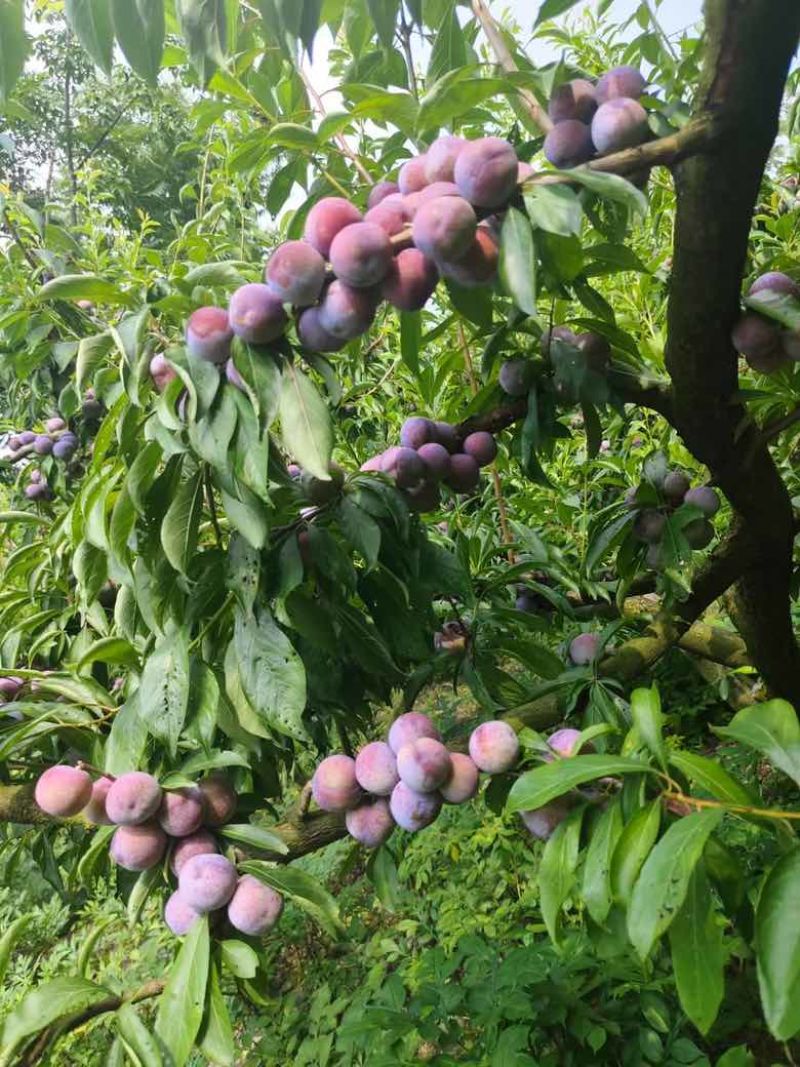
pixel 27 437
pixel 424 498
pixel 416 431
pixel 526 603
pixel 463 782
pixel 557 333
pixel 65 446
pixel 380 191
pixel 436 459
pixel 207 881
pixel 704 498
pixel 431 192
pixel 254 907
pixel 447 435
pixel 219 799
pixel 574 99
pixel 494 747
pixel 325 219
pixel 334 785
pixel 675 487
pixel 376 768
pixel 10 687
pixel 42 445
pixel 179 916
pixel 372 464
pixel 181 811
pixel 481 446
pixel 424 764
pixel 584 648
pixel 412 175
pixel 464 475
pixel 563 741
pixel 620 81
pixel 139 847
pixel 256 314
pixel 595 348
pixel 649 525
pixel 345 312
pixel 133 798
pixel 516 377
pixel 410 727
pixel 541 822
pixel 411 280
pixel 699 533
pixel 390 216
pixel 54 424
pixel 200 843
pixel 209 334
pixel 440 159
pixel 233 376
pixel 775 281
pixel 361 254
pixel 444 228
pixel 478 265
pixel 161 371
pixel 95 811
pixel 63 791
pixel 756 337
pixel 314 336
pixel 486 171
pixel 371 824
pixel 405 466
pixel 568 144
pixel 413 811
pixel 295 273
pixel 619 123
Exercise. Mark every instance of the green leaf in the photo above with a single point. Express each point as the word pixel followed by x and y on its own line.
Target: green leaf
pixel 781 307
pixel 272 674
pixel 305 423
pixel 90 21
pixel 239 958
pixel 9 939
pixel 771 729
pixel 262 379
pixel 127 739
pixel 137 1037
pixel 91 351
pixel 777 932
pixel 605 536
pixel 596 889
pixel 47 1004
pixel 109 650
pixel 454 94
pixel 633 848
pixel 711 777
pixel 518 260
pixel 255 837
pixel 164 689
pixel 449 46
pixel 216 1040
pixel 84 287
pixel 217 274
pixel 661 887
pixel 304 890
pixel 610 186
pixel 360 529
pixel 384 13
pixel 551 780
pixel 180 525
pixel 382 871
pixel 204 27
pixel 550 9
pixel 21 516
pixel 554 208
pixel 139 28
pixel 698 958
pixel 649 721
pixel 556 875
pixel 14 45
pixel 180 1011
pixel 410 337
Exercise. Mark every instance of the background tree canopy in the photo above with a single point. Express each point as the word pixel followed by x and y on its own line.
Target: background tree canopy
pixel 398 644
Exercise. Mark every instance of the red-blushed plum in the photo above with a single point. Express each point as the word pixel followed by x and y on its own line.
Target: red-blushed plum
pixel 620 81
pixel 371 824
pixel 424 765
pixel 440 159
pixel 444 228
pixel 209 334
pixel 254 907
pixel 447 435
pixel 516 377
pixel 295 273
pixel 181 811
pixel 43 445
pixel 346 312
pixel 463 782
pixel 563 742
pixel 161 372
pixel 481 446
pixel 699 533
pixel 775 281
pixel 568 144
pixel 436 459
pixel 138 848
pixel 619 123
pixel 219 799
pixel 486 171
pixel 424 498
pixel 411 280
pixel 133 798
pixel 314 336
pixel 465 475
pixel 410 727
pixel 574 99
pixel 524 171
pixel 413 811
pixel 179 916
pixel 583 649
pixel 11 685
pixel 705 498
pixel 361 254
pixel 334 785
pixel 675 486
pixel 405 466
pixel 432 192
pixel 63 791
pixel 207 881
pixel 478 265
pixel 256 314
pixel 233 376
pixel 412 176
pixel 595 348
pixel 756 337
pixel 376 769
pixel 325 219
pixel 541 822
pixel 37 491
pixel 196 844
pixel 649 525
pixel 372 464
pixel 54 424
pixel 380 191
pixel 494 747
pixel 558 333
pixel 95 811
pixel 390 215
pixel 416 431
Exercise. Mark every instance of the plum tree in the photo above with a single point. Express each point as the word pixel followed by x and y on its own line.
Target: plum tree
pixel 376 768
pixel 207 881
pixel 410 727
pixel 138 847
pixel 486 171
pixel 63 791
pixel 133 798
pixel 424 764
pixel 361 254
pixel 413 811
pixel 494 747
pixel 462 785
pixel 295 273
pixel 325 219
pixel 254 907
pixel 219 799
pixel 335 785
pixel 181 811
pixel 209 334
pixel 371 824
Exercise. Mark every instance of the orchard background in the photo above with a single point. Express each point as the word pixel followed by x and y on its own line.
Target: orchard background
pixel 231 561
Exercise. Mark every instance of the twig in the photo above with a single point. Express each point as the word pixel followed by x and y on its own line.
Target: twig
pixel 340 138
pixel 212 507
pixel 404 33
pixel 773 429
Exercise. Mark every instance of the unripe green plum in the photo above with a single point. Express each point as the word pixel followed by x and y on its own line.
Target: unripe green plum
pixel 541 822
pixel 675 487
pixel 256 314
pixel 370 824
pixel 376 769
pixel 410 727
pixel 444 228
pixel 494 747
pixel 361 255
pixel 334 785
pixel 139 847
pixel 584 649
pixel 413 811
pixel 133 798
pixel 705 498
pixel 619 123
pixel 568 144
pixel 346 312
pixel 486 171
pixel 464 475
pixel 574 99
pixel 314 336
pixel 63 791
pixel 516 377
pixel 440 159
pixel 254 907
pixel 411 280
pixel 699 533
pixel 179 916
pixel 181 811
pixel 620 81
pixel 200 843
pixel 219 799
pixel 482 447
pixel 424 765
pixel 416 431
pixel 463 782
pixel 95 811
pixel 478 265
pixel 209 334
pixel 325 219
pixel 775 281
pixel 649 526
pixel 436 459
pixel 207 882
pixel 380 191
pixel 295 273
pixel 412 175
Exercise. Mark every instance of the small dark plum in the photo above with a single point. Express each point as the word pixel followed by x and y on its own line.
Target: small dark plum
pixel 436 459
pixel 756 337
pixel 209 334
pixel 405 466
pixel 376 769
pixel 584 649
pixel 699 533
pixel 197 844
pixel 516 377
pixel 390 216
pixel 622 81
pixel 775 281
pixel 326 218
pixel 494 747
pixel 769 362
pixel 440 159
pixel 295 273
pixel 649 525
pixel 410 727
pixel 91 408
pixel 63 791
pixel 43 445
pixel 482 447
pixel 256 314
pixel 568 144
pixel 27 437
pixel 361 254
pixel 314 336
pixel 447 435
pixel 181 811
pixel 413 811
pixel 465 475
pixel 572 100
pixel 411 280
pixel 704 498
pixel 557 333
pixel 380 191
pixel 138 848
pixel 444 228
pixel 675 487
pixel 95 811
pixel 37 491
pixel 346 312
pixel 207 881
pixel 542 822
pixel 486 171
pixel 254 907
pixel 416 432
pixel 478 265
pixel 463 782
pixel 424 498
pixel 412 175
pixel 10 687
pixel 66 446
pixel 596 351
pixel 334 785
pixel 133 798
pixel 371 824
pixel 526 603
pixel 179 916
pixel 219 799
pixel 619 123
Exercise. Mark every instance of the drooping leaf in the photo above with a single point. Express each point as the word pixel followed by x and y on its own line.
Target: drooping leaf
pixel 14 45
pixel 137 1037
pixel 139 29
pixel 54 1000
pixel 180 1011
pixel 305 423
pixel 518 260
pixel 633 847
pixel 698 958
pixel 596 888
pixel 204 27
pixel 557 870
pixel 649 721
pixel 216 1038
pixel 778 946
pixel 550 9
pixel 304 890
pixel 180 525
pixel 551 780
pixel 711 777
pixel 90 21
pixel 84 287
pixel 164 689
pixel 771 729
pixel 272 674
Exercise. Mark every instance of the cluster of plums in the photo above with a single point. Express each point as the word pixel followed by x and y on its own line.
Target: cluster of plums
pixel 56 440
pixel 405 780
pixel 763 343
pixel 596 119
pixel 432 454
pixel 150 820
pixel 517 375
pixel 674 490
